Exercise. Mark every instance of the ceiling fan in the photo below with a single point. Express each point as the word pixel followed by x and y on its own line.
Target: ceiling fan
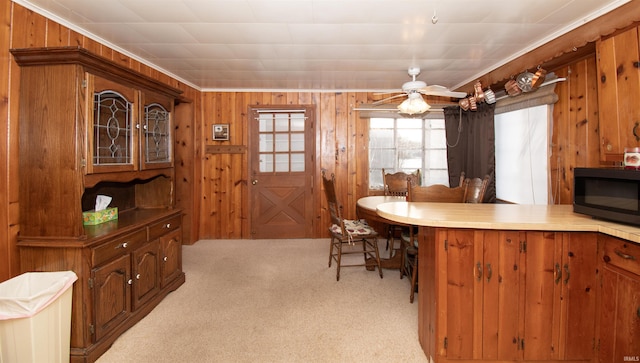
pixel 414 90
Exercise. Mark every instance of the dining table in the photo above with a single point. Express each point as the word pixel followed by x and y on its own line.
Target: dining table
pixel 366 208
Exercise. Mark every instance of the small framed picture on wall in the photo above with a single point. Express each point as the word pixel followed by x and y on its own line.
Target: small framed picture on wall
pixel 220 132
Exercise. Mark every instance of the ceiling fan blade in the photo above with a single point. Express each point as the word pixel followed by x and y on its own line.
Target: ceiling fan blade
pixel 384 100
pixel 387 93
pixel 435 90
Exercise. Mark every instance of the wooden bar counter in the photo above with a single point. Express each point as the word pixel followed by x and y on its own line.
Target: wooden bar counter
pixel 506 282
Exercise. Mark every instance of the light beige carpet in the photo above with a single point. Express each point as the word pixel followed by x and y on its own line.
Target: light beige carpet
pixel 275 301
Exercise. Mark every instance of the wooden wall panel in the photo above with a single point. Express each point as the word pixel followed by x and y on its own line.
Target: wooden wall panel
pixel 57 35
pixel 185 162
pixel 6 244
pixel 575 141
pixel 33 28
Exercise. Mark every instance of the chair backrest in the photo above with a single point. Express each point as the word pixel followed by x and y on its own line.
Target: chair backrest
pixel 335 209
pixel 475 188
pixel 435 193
pixel 396 183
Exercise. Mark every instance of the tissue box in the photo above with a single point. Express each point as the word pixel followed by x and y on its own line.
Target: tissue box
pixel 90 218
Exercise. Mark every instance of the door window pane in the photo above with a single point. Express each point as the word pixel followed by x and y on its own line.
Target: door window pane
pixel 282 141
pixel 266 163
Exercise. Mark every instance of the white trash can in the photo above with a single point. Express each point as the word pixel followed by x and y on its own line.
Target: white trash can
pixel 35 317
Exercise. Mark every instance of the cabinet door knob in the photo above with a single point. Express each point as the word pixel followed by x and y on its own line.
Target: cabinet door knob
pixel 168 225
pixel 558 273
pixel 130 282
pixel 123 245
pixel 165 259
pixel 137 276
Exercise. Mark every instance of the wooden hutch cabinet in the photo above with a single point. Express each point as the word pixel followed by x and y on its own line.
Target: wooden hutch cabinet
pixel 89 127
pixel 502 295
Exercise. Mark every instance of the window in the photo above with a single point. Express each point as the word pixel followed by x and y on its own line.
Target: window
pixel 407 144
pixel 521 155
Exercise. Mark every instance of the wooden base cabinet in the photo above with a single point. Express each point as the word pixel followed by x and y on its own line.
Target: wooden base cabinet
pixel 490 295
pixel 619 334
pixel 122 276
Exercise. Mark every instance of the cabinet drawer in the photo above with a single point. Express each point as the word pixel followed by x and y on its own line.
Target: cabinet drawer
pixel 118 246
pixel 167 225
pixel 625 255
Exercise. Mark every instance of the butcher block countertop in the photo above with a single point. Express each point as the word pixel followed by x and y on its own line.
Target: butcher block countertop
pixel 503 217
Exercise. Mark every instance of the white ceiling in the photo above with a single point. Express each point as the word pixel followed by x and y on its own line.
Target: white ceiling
pixel 322 44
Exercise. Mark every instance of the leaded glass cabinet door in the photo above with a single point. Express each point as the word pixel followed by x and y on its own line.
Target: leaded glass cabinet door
pixel 113 127
pixel 156 145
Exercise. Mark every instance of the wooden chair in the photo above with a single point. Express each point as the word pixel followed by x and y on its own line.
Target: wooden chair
pixel 475 188
pixel 396 184
pixel 434 193
pixel 349 232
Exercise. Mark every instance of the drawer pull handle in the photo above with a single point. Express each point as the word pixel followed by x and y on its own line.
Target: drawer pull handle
pixel 489 272
pixel 138 277
pixel 123 245
pixel 624 255
pixel 479 271
pixel 165 259
pixel 566 272
pixel 168 225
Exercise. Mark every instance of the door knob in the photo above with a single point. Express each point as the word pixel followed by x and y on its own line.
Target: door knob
pixel 254 181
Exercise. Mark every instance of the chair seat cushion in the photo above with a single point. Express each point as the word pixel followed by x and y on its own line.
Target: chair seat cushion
pixel 356 227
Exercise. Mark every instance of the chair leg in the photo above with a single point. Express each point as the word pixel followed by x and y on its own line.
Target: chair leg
pixel 403 259
pixel 414 279
pixel 330 251
pixel 375 247
pixel 338 260
pixel 389 235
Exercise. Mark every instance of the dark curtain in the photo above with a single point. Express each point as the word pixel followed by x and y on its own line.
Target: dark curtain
pixel 471 145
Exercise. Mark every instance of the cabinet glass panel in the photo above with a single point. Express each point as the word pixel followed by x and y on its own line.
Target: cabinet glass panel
pixel 112 127
pixel 156 134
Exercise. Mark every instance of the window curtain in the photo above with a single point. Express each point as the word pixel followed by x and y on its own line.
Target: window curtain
pixel 471 145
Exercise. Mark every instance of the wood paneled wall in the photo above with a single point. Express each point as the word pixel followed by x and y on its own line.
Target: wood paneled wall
pixel 8 192
pixel 574 139
pixel 341 144
pixel 23 28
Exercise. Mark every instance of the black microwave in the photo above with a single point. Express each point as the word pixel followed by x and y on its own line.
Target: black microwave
pixel 607 193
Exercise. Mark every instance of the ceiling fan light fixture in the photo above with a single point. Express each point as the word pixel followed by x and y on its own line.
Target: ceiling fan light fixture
pixel 414 104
